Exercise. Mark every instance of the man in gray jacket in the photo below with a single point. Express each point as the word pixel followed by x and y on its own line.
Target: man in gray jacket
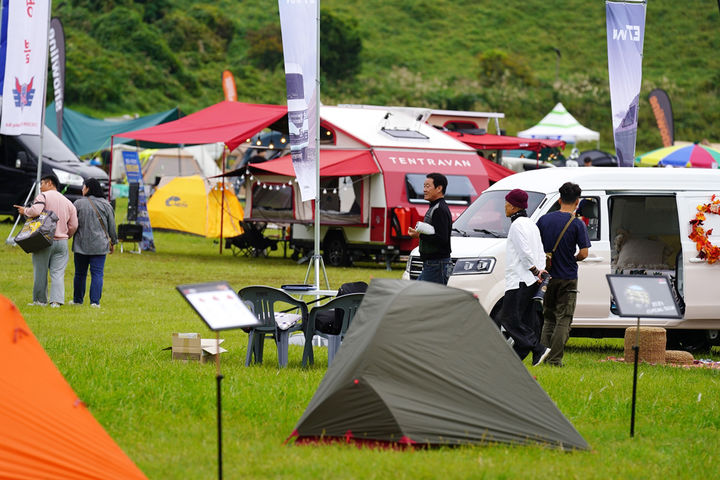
pixel 94 239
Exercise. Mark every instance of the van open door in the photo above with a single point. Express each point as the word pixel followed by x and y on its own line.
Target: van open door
pixel 697 279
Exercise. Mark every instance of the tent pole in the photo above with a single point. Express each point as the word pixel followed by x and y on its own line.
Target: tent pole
pixel 112 141
pixel 222 199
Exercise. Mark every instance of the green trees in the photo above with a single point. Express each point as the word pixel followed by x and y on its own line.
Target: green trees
pixel 340 47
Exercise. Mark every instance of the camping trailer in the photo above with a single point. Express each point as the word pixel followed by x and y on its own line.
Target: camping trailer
pixel 638 222
pixel 373 162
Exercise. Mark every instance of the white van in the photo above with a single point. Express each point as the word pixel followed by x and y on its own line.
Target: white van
pixel 638 223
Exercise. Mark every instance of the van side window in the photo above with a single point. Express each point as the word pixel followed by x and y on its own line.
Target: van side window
pixel 588 211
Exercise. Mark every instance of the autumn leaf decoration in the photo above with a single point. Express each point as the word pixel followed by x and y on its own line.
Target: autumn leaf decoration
pixel 706 250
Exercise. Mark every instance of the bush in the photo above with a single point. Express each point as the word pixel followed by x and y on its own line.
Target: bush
pixel 496 67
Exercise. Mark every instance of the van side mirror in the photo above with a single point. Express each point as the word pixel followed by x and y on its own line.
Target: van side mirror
pixel 21 160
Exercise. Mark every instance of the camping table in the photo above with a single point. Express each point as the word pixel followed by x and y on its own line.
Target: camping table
pixel 319 294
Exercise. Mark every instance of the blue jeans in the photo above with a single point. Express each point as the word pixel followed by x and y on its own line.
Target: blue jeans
pixel 97 268
pixel 436 271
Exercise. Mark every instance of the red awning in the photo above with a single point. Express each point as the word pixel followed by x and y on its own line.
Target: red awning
pixel 504 142
pixel 333 163
pixel 495 172
pixel 228 122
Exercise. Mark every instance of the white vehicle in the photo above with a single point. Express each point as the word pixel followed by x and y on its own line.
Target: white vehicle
pixel 638 223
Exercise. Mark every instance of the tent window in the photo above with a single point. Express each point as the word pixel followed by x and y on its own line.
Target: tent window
pixel 460 190
pixel 327 136
pixel 272 201
pixel 341 199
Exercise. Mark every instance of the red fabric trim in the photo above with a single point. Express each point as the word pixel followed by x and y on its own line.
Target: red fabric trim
pixel 505 142
pixel 333 163
pixel 405 443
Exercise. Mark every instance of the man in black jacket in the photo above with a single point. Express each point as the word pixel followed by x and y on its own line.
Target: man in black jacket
pixel 435 241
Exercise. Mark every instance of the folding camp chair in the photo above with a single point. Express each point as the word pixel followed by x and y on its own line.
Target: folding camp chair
pixel 270 306
pixel 348 304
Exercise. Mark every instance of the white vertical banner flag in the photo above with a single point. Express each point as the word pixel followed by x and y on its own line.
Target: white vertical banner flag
pixel 625 36
pixel 23 98
pixel 298 22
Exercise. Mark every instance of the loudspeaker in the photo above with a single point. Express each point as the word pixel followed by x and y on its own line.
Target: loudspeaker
pixel 133 194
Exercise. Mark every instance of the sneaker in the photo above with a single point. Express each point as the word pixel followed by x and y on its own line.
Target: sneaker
pixel 95 305
pixel 537 360
pixel 37 304
pixel 55 305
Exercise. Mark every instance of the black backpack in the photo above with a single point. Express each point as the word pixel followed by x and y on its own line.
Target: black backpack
pixel 330 321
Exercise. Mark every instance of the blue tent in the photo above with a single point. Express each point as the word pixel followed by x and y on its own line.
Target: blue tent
pixel 85 135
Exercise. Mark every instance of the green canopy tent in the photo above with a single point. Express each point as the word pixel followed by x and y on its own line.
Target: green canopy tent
pixel 85 135
pixel 423 364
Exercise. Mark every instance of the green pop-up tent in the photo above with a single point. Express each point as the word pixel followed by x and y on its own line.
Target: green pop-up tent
pixel 423 364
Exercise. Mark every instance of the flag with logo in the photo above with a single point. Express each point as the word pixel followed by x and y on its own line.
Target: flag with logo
pixel 57 66
pixel 3 40
pixel 625 35
pixel 23 99
pixel 299 25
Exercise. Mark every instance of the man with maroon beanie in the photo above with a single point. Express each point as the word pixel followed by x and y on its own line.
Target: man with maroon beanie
pixel 524 264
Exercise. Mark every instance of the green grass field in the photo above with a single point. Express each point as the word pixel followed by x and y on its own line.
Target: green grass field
pixel 163 413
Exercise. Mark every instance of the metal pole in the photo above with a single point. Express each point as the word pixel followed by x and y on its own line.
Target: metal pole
pixel 636 349
pixel 42 116
pixel 219 378
pixel 317 152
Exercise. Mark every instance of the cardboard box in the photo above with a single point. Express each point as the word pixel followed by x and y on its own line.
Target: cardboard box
pixel 189 346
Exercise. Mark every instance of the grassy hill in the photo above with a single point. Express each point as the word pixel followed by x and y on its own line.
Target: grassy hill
pixel 146 56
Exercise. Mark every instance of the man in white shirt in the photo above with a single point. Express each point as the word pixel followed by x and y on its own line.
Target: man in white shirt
pixel 525 257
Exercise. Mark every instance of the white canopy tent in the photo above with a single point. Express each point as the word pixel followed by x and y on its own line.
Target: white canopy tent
pixel 559 124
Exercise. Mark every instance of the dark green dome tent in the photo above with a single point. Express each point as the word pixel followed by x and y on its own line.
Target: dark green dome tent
pixel 423 364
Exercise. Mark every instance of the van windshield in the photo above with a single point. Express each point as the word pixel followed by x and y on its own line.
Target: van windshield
pixel 53 147
pixel 486 216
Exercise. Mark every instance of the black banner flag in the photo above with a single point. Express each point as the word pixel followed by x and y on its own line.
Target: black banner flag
pixel 56 40
pixel 661 107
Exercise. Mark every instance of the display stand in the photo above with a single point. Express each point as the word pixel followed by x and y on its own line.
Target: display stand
pixel 316 262
pixel 221 309
pixel 646 296
pixel 10 238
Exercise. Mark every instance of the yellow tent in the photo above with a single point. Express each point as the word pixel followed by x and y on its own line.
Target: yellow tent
pixel 192 205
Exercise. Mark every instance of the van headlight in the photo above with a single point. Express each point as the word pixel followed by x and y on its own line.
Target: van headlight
pixel 67 178
pixel 474 266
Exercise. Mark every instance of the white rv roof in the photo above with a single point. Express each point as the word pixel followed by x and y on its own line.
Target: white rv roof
pixel 613 178
pixel 367 124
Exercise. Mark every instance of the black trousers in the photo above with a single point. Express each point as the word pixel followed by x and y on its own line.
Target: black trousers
pixel 520 318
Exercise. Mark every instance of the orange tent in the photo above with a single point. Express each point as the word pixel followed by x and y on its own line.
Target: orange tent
pixel 46 431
